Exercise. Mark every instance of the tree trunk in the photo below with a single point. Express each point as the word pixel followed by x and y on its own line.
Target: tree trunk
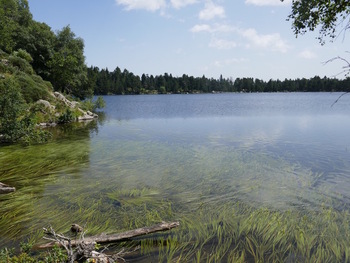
pixel 103 238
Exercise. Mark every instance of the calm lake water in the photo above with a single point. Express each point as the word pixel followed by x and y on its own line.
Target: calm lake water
pixel 303 130
pixel 182 157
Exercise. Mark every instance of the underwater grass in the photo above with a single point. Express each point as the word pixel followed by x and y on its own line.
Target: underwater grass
pixel 272 237
pixel 233 206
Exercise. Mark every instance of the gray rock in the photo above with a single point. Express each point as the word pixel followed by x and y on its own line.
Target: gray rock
pixel 85 117
pixel 92 114
pixel 46 104
pixel 71 104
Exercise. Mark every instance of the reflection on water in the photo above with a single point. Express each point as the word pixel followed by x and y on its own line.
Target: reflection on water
pixel 285 156
pixel 173 157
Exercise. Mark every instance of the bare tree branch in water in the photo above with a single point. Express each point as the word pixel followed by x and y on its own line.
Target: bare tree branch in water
pixel 84 248
pixel 62 240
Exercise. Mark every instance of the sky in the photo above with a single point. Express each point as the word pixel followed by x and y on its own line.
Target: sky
pixel 232 38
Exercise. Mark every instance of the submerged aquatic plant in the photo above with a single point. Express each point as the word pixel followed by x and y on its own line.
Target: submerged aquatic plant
pixel 221 196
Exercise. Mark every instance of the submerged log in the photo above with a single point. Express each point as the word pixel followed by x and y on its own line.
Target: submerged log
pixel 5 189
pixel 103 238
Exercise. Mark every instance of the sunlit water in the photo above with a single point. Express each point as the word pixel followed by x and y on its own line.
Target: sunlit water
pixel 304 133
pixel 155 153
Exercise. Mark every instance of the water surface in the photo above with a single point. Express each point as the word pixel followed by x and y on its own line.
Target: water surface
pixel 172 157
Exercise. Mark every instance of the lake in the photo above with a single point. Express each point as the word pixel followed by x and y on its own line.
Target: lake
pixel 249 176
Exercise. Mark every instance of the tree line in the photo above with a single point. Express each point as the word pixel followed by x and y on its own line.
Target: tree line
pixel 124 82
pixel 58 57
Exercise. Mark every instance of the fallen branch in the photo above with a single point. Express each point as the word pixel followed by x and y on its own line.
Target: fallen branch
pixel 5 189
pixel 62 241
pixel 164 226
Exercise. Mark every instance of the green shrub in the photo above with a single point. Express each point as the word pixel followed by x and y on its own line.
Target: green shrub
pixel 21 64
pixel 99 103
pixel 21 53
pixel 66 117
pixel 2 54
pixel 55 254
pixel 12 107
pixel 91 105
pixel 41 113
pixel 15 123
pixel 3 68
pixel 33 87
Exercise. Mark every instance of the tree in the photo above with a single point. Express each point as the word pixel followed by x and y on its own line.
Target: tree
pixel 307 15
pixel 332 16
pixel 68 69
pixel 15 18
pixel 41 47
pixel 161 84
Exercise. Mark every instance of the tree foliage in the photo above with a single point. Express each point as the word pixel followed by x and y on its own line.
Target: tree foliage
pixel 124 82
pixel 68 69
pixel 31 55
pixel 41 47
pixel 20 87
pixel 14 22
pixel 58 57
pixel 329 16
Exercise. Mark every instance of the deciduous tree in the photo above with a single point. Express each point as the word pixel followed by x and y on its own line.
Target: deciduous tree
pixel 68 69
pixel 331 16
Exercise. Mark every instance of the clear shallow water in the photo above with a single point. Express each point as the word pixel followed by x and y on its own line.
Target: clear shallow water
pixel 302 130
pixel 165 157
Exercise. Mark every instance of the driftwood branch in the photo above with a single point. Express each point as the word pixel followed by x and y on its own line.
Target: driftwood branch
pixel 83 251
pixel 62 241
pixel 164 226
pixel 5 189
pixel 84 248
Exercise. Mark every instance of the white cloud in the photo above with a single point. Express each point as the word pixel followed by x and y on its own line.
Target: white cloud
pixel 212 28
pixel 150 5
pixel 201 28
pixel 222 44
pixel 182 3
pixel 307 54
pixel 211 11
pixel 268 2
pixel 273 41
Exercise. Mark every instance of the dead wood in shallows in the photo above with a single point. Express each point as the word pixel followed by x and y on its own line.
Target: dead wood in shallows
pixel 84 248
pixel 103 238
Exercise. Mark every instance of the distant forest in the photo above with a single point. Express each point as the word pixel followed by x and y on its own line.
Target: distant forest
pixel 124 82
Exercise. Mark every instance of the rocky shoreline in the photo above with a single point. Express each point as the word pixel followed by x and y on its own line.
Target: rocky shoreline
pixel 73 105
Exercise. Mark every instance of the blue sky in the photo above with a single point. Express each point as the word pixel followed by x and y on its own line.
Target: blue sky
pixel 235 38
